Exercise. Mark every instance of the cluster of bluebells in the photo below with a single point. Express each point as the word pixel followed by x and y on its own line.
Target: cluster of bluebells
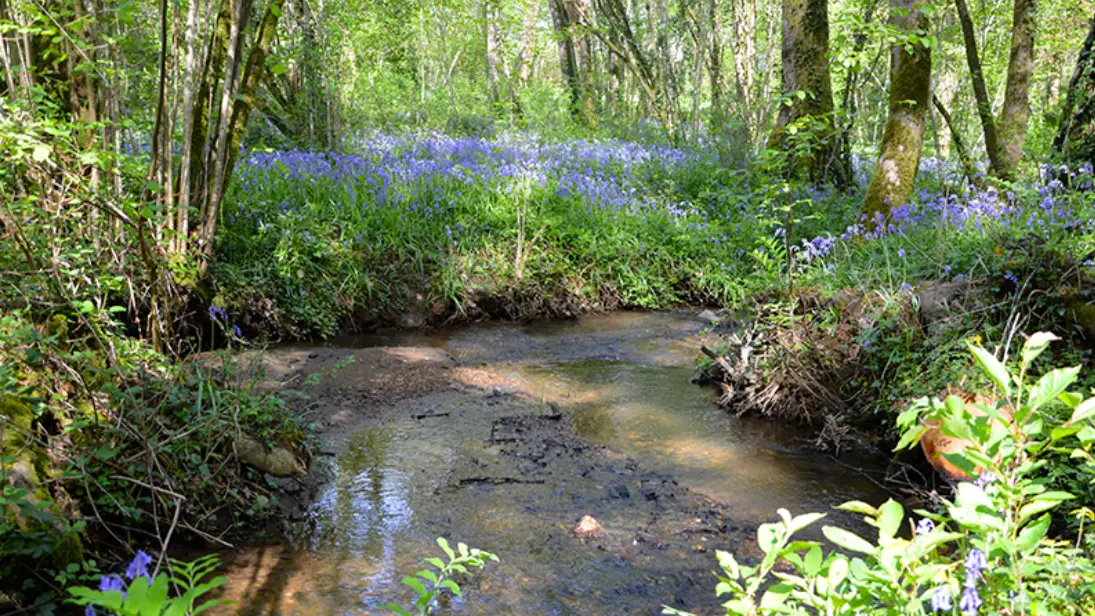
pixel 975 564
pixel 1050 209
pixel 221 315
pixel 138 567
pixel 416 174
pixel 970 602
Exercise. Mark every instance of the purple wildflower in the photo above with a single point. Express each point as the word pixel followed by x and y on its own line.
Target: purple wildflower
pixel 971 602
pixel 976 561
pixel 139 566
pixel 924 526
pixel 111 582
pixel 941 600
pixel 985 479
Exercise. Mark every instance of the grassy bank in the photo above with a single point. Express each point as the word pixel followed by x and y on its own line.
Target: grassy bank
pixel 512 227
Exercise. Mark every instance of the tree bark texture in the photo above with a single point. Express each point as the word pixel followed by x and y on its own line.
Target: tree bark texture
pixel 910 85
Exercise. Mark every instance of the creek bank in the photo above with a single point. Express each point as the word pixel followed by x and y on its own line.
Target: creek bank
pixel 846 362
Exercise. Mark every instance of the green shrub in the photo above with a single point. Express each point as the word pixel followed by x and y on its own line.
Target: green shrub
pixel 986 550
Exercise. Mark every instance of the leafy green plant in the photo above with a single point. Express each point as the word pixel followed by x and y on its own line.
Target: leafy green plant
pixel 148 595
pixel 431 582
pixel 986 550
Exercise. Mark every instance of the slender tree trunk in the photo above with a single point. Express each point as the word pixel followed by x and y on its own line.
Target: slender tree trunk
pixel 1075 141
pixel 910 85
pixel 1016 111
pixel 659 18
pixel 805 67
pixel 243 105
pixel 203 107
pixel 714 58
pixel 959 144
pixel 980 92
pixel 568 65
pixel 190 86
pixel 492 38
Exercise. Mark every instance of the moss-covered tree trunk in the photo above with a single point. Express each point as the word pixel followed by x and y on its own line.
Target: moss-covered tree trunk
pixel 805 68
pixel 980 91
pixel 1075 142
pixel 1016 111
pixel 910 85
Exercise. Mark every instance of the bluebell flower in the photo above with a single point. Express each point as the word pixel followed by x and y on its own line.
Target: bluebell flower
pixel 139 566
pixel 924 526
pixel 976 561
pixel 941 600
pixel 970 602
pixel 236 331
pixel 89 611
pixel 985 479
pixel 111 582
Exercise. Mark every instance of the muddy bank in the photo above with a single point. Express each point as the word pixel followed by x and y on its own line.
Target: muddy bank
pixel 504 437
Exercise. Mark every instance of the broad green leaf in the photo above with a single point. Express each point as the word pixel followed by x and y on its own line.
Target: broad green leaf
pixel 1032 534
pixel 838 571
pixel 444 543
pixel 1035 344
pixel 992 368
pixel 811 564
pixel 804 520
pixel 1071 399
pixel 890 519
pixel 727 563
pixel 453 586
pixel 436 562
pixel 911 437
pixel 1052 384
pixel 769 536
pixel 417 585
pixel 1083 412
pixel 775 597
pixel 847 540
pixel 859 507
pixel 971 495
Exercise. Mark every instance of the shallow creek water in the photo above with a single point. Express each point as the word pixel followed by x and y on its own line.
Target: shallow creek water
pixel 670 476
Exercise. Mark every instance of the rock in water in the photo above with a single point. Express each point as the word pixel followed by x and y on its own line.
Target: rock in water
pixel 709 317
pixel 588 527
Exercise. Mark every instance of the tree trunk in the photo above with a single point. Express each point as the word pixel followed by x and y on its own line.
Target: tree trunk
pixel 493 41
pixel 568 65
pixel 980 92
pixel 1016 111
pixel 1075 141
pixel 714 59
pixel 805 67
pixel 527 48
pixel 243 105
pixel 583 55
pixel 910 84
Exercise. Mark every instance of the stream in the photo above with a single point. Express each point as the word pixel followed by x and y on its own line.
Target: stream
pixel 595 416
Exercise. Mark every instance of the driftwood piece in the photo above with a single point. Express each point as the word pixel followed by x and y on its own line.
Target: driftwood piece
pixel 498 481
pixel 720 360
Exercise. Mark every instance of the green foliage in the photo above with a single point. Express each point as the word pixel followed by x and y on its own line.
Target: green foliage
pixel 431 582
pixel 987 546
pixel 145 595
